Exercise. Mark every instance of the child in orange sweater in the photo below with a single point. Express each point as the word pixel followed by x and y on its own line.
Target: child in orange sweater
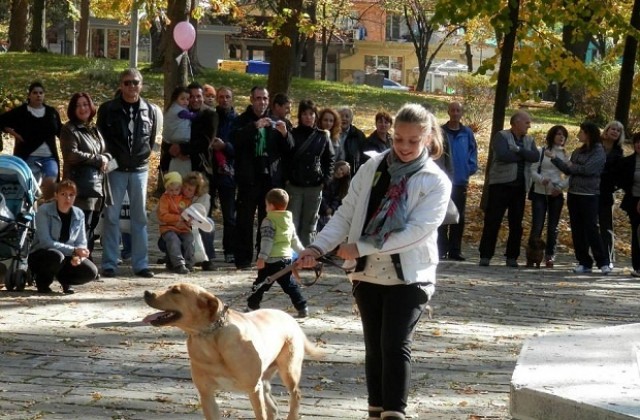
pixel 174 229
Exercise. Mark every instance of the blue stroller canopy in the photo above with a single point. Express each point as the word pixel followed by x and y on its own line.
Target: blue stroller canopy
pixel 14 169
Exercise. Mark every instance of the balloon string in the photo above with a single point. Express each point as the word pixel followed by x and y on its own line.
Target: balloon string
pixel 186 55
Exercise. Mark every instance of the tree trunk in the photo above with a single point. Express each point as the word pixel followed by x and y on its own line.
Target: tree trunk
pixel 565 103
pixel 174 74
pixel 469 56
pixel 309 70
pixel 502 90
pixel 627 70
pixel 325 52
pixel 281 69
pixel 18 25
pixel 83 30
pixel 38 42
pixel 158 39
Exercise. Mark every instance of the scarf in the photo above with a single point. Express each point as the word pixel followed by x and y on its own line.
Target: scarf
pixel 391 214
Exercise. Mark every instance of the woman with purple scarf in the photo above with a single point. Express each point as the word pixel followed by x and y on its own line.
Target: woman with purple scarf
pixel 388 222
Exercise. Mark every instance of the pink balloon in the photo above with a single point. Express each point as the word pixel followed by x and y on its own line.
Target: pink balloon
pixel 185 35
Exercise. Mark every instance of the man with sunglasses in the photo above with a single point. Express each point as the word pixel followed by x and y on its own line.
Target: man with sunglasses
pixel 128 124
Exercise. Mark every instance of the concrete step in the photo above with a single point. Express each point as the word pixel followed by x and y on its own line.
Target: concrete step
pixel 592 374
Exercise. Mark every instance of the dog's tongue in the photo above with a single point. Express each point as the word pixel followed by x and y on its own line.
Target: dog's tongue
pixel 149 318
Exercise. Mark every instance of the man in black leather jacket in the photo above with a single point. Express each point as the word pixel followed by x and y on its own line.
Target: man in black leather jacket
pixel 128 124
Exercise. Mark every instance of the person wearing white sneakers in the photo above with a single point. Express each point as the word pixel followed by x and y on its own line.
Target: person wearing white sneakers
pixel 584 169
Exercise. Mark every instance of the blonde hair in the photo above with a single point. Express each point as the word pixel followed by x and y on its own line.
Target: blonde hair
pixel 619 126
pixel 417 114
pixel 196 179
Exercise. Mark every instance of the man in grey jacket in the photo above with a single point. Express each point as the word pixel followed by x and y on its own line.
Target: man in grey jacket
pixel 513 151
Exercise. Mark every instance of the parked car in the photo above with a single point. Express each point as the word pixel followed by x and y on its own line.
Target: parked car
pixel 392 84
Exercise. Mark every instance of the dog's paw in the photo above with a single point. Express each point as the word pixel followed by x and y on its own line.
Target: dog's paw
pixel 354 309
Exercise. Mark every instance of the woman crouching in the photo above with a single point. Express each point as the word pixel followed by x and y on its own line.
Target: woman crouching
pixel 60 246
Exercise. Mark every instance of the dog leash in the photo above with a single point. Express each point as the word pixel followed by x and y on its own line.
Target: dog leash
pixel 318 269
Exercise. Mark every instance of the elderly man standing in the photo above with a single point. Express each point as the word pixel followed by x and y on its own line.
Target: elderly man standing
pixel 513 152
pixel 352 140
pixel 128 124
pixel 463 151
pixel 260 145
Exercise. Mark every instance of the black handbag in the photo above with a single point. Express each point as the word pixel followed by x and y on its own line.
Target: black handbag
pixel 88 180
pixel 530 194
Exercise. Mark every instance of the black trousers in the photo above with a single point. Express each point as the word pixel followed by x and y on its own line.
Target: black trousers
pixel 287 282
pixel 49 263
pixel 249 199
pixel 91 219
pixel 585 233
pixel 502 198
pixel 389 315
pixel 227 197
pixel 450 236
pixel 634 219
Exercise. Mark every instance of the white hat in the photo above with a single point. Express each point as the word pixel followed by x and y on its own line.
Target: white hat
pixel 197 214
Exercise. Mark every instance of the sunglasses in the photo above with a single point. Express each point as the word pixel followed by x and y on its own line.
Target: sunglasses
pixel 131 82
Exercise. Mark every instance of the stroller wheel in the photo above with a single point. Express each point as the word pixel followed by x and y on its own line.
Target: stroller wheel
pixel 19 280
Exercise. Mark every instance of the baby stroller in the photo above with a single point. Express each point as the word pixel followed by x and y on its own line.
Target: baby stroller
pixel 18 192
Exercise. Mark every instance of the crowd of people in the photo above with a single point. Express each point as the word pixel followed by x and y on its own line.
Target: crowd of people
pixel 589 175
pixel 317 187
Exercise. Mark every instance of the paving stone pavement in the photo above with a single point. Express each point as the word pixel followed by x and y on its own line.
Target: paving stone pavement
pixel 88 356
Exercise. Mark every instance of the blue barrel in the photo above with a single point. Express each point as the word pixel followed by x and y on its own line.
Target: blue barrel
pixel 257 67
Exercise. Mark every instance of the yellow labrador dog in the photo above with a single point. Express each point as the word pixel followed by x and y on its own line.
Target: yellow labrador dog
pixel 234 351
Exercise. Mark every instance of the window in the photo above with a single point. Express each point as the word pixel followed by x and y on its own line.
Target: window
pixel 390 66
pixel 393 27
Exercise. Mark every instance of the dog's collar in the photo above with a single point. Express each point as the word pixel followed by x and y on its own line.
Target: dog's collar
pixel 221 322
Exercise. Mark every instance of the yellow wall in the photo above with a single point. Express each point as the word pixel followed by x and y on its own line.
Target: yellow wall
pixel 354 60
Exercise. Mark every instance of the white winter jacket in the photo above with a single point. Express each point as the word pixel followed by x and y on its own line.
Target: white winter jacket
pixel 428 195
pixel 549 171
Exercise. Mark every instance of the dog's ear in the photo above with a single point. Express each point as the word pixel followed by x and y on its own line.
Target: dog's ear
pixel 210 303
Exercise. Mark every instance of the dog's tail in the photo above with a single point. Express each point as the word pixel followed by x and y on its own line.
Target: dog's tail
pixel 313 350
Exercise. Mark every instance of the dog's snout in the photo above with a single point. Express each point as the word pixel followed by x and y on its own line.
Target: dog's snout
pixel 148 295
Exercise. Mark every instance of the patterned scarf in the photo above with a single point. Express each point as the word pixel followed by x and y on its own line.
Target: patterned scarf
pixel 391 214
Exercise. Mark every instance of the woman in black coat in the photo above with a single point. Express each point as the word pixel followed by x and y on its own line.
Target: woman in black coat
pixel 627 175
pixel 86 160
pixel 310 168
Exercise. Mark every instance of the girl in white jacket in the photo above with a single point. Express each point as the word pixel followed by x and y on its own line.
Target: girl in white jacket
pixel 388 222
pixel 547 198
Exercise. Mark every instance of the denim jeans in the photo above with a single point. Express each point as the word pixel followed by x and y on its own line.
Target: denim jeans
pixel 135 184
pixel 583 217
pixel 549 207
pixel 304 204
pixel 389 316
pixel 180 248
pixel 45 167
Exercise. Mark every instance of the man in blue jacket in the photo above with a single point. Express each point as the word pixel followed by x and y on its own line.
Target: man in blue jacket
pixel 463 151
